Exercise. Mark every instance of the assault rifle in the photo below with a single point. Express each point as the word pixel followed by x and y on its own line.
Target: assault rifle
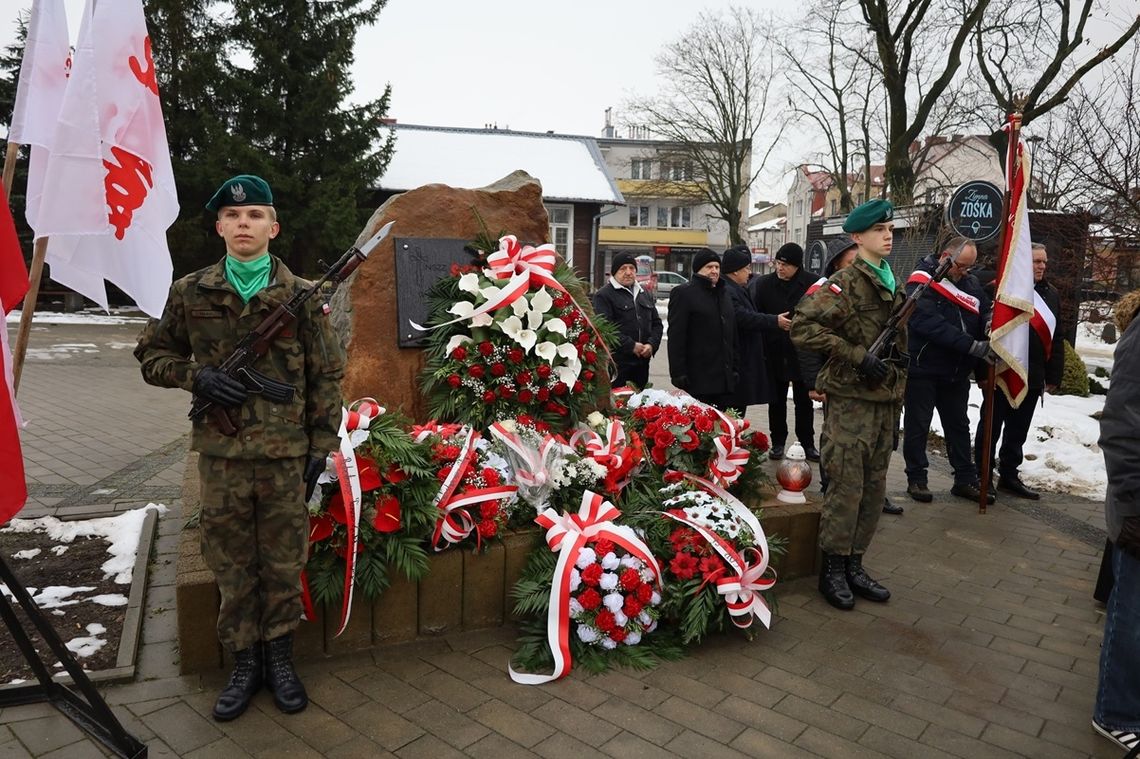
pixel 885 342
pixel 239 364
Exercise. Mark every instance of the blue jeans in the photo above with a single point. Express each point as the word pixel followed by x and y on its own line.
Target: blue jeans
pixel 1118 692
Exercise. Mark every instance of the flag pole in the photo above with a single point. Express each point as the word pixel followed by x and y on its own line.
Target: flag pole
pixel 989 389
pixel 35 276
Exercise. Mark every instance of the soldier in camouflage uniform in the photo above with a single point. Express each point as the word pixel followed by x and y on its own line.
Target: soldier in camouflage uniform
pixel 864 394
pixel 254 524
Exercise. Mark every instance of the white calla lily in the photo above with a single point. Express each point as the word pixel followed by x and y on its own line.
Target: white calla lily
pixel 455 342
pixel 541 301
pixel 555 325
pixel 566 374
pixel 512 327
pixel 465 309
pixel 568 351
pixel 547 351
pixel 533 319
pixel 490 292
pixel 482 320
pixel 469 283
pixel 526 338
pixel 520 307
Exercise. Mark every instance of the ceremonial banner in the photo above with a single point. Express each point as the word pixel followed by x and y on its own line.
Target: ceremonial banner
pixel 13 285
pixel 1013 304
pixel 108 186
pixel 39 93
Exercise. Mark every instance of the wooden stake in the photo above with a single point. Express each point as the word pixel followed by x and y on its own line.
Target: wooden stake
pixel 28 311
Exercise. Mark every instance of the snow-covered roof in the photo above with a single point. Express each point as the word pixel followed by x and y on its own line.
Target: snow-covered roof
pixel 764 226
pixel 569 167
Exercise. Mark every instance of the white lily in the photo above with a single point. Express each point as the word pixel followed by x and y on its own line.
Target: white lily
pixel 520 307
pixel 469 283
pixel 547 351
pixel 455 342
pixel 490 292
pixel 512 327
pixel 555 325
pixel 465 308
pixel 541 301
pixel 567 374
pixel 568 352
pixel 533 319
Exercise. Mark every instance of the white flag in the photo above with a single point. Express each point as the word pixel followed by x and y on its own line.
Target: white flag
pixel 108 194
pixel 1013 302
pixel 39 93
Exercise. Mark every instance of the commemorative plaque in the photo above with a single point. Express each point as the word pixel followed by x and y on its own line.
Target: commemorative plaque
pixel 420 263
pixel 975 210
pixel 817 256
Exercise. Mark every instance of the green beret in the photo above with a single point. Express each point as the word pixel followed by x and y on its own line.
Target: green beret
pixel 868 215
pixel 242 190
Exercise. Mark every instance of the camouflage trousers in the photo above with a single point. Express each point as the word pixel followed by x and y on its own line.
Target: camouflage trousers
pixel 255 539
pixel 856 445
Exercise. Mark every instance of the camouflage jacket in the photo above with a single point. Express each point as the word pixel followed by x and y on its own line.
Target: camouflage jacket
pixel 203 322
pixel 840 320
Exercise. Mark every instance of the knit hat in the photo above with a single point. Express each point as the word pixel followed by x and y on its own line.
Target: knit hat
pixel 835 249
pixel 868 215
pixel 620 260
pixel 790 253
pixel 702 257
pixel 242 190
pixel 735 259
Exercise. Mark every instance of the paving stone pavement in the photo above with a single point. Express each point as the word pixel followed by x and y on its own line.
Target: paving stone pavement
pixel 988 647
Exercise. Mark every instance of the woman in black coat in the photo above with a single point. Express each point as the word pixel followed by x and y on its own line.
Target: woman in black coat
pixel 702 335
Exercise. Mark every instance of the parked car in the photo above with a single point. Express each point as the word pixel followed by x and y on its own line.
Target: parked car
pixel 666 281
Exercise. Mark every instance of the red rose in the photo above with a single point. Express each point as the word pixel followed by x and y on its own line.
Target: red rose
pixel 592 574
pixel 489 509
pixel 525 396
pixel 590 599
pixel 664 438
pixel 454 380
pixel 759 441
pixel 505 392
pixel 630 578
pixel 562 301
pixel 581 340
pixel 605 620
pixel 560 388
pixel 568 319
pixel 658 455
pixel 542 427
pixel 488 529
pixel 489 396
pixel 523 378
pixel 683 566
pixel 603 546
pixel 690 442
pixel 543 395
pixel 515 355
pixel 703 424
pixel 475 371
pixel 578 386
pixel 617 635
pixel 491 477
pixel 632 607
pixel 498 369
pixel 543 370
pixel 590 356
pixel 588 374
pixel 486 349
pixel 644 593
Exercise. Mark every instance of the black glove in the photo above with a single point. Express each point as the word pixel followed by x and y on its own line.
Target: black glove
pixel 313 469
pixel 214 385
pixel 873 368
pixel 981 349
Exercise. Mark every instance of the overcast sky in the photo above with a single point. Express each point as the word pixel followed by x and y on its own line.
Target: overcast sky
pixel 524 64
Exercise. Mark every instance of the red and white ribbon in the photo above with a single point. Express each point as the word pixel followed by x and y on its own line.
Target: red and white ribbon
pixel 609 451
pixel 743 589
pixel 532 466
pixel 567 534
pixel 947 290
pixel 728 464
pixel 537 264
pixel 742 512
pixel 421 432
pixel 454 522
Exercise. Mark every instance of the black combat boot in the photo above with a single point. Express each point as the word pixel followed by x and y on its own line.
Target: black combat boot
pixel 833 582
pixel 861 583
pixel 244 684
pixel 288 692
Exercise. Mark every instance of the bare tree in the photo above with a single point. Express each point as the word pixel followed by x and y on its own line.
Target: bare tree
pixel 714 107
pixel 1037 47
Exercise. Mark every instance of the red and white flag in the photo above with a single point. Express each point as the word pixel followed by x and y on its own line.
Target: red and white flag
pixel 13 285
pixel 39 93
pixel 1013 302
pixel 108 189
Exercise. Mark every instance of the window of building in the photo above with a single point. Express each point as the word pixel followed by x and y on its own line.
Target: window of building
pixel 561 229
pixel 675 216
pixel 799 208
pixel 834 206
pixel 677 170
pixel 662 217
pixel 639 216
pixel 639 168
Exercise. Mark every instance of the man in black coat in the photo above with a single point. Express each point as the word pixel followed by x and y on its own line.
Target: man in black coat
pixel 777 294
pixel 752 382
pixel 1046 365
pixel 947 341
pixel 702 335
pixel 634 311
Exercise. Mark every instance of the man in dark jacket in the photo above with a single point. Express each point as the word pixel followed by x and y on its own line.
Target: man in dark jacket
pixel 634 311
pixel 752 383
pixel 1046 364
pixel 777 294
pixel 702 335
pixel 947 342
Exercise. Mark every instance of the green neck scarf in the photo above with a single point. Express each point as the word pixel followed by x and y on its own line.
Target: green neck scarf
pixel 248 277
pixel 883 270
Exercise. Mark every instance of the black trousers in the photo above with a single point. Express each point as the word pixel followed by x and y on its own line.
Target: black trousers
pixel 637 374
pixel 924 395
pixel 778 412
pixel 1012 426
pixel 720 401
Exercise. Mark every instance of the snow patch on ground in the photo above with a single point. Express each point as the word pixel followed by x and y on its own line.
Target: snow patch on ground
pixel 87 645
pixel 109 599
pixel 121 531
pixel 30 553
pixel 91 316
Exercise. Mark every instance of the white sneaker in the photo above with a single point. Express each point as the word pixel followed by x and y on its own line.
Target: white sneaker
pixel 1126 739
